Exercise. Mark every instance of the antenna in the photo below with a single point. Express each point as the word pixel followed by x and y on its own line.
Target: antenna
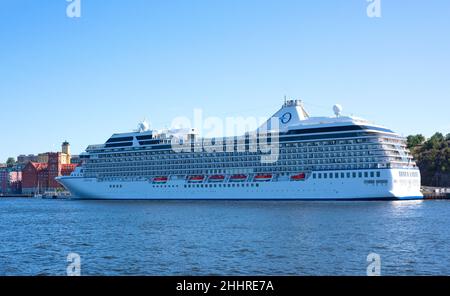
pixel 337 109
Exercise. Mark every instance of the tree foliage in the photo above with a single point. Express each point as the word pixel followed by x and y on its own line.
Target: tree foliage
pixel 10 162
pixel 433 158
pixel 415 140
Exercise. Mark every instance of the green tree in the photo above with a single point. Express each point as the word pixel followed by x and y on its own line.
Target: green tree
pixel 435 141
pixel 415 140
pixel 10 162
pixel 433 159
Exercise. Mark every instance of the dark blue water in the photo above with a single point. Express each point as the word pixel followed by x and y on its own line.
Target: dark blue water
pixel 223 237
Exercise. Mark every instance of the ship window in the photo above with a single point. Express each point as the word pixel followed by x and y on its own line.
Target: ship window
pixel 366 174
pixel 325 175
pixel 342 175
pixel 320 176
pixel 314 176
pixel 378 174
pixel 123 139
pixel 360 175
pixel 372 174
pixel 354 174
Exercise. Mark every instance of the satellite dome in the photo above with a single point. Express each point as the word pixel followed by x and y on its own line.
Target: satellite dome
pixel 337 109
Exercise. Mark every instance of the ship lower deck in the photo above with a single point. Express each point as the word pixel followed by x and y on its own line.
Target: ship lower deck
pixel 389 186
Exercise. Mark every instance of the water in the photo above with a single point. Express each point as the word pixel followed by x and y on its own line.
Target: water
pixel 223 237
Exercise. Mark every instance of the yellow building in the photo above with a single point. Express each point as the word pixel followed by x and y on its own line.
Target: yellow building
pixel 66 155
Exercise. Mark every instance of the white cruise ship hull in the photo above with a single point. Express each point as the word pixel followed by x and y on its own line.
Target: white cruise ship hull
pixel 391 185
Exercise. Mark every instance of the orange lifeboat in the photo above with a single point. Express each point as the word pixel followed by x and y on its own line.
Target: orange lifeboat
pixel 160 180
pixel 196 179
pixel 298 177
pixel 216 178
pixel 238 178
pixel 263 177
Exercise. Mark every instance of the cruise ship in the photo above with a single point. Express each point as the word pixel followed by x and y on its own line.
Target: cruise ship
pixel 310 158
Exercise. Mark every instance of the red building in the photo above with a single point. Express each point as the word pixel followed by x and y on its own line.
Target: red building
pixel 40 177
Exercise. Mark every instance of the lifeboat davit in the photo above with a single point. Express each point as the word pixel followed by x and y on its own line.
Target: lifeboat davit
pixel 196 179
pixel 298 177
pixel 160 180
pixel 216 178
pixel 263 177
pixel 238 178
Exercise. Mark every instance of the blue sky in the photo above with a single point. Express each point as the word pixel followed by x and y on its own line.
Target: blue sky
pixel 83 79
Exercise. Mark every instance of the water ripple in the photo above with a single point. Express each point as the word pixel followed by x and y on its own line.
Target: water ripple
pixel 223 237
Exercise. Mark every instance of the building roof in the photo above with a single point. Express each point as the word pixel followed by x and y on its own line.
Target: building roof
pixel 39 166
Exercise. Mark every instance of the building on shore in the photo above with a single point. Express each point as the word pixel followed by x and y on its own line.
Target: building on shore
pixel 3 180
pixel 24 159
pixel 65 155
pixel 39 176
pixel 10 180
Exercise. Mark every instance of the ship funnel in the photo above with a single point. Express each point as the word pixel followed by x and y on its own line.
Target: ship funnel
pixel 291 113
